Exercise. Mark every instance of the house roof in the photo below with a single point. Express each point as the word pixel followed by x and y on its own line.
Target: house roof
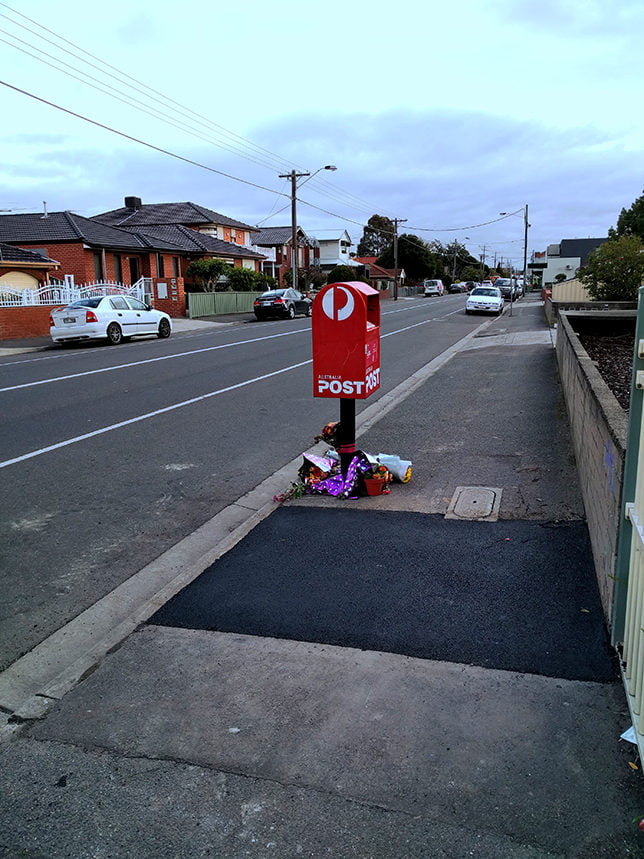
pixel 64 227
pixel 376 271
pixel 271 236
pixel 581 248
pixel 9 253
pixel 190 241
pixel 155 214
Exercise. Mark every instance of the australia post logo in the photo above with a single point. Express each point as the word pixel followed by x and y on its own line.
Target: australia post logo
pixel 338 303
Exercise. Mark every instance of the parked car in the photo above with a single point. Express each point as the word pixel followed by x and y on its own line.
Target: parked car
pixel 107 317
pixel 471 284
pixel 484 299
pixel 285 303
pixel 457 287
pixel 433 287
pixel 508 288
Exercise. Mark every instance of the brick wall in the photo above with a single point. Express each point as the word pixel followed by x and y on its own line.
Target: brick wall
pixel 18 322
pixel 598 427
pixel 175 304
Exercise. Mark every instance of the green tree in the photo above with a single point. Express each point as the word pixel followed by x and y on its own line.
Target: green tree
pixel 342 273
pixel 415 256
pixel 615 270
pixel 205 273
pixel 630 221
pixel 559 278
pixel 377 235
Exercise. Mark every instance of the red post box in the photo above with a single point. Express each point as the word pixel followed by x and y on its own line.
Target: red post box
pixel 346 341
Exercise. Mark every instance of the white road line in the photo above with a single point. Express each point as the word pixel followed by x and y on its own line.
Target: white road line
pixel 150 360
pixel 144 417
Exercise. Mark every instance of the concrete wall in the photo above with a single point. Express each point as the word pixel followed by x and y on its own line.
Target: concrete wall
pixel 598 427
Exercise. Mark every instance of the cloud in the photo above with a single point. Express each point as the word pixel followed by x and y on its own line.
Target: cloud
pixel 441 170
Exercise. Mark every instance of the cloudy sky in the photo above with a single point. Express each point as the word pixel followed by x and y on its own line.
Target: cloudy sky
pixel 441 113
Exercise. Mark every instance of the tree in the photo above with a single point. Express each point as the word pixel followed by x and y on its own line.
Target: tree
pixel 206 273
pixel 630 221
pixel 415 256
pixel 377 235
pixel 342 273
pixel 559 278
pixel 614 271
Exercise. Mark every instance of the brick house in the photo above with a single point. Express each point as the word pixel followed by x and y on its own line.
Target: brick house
pixel 277 242
pixel 89 250
pixel 197 230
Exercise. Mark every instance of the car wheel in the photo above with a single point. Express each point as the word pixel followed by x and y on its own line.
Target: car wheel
pixel 114 334
pixel 308 309
pixel 291 312
pixel 467 311
pixel 164 329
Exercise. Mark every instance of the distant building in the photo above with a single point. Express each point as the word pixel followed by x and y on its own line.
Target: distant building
pixel 567 258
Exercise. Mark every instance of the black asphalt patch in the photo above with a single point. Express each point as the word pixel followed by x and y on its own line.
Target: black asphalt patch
pixel 517 596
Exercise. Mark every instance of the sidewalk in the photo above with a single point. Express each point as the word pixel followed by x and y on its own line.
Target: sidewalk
pixel 367 678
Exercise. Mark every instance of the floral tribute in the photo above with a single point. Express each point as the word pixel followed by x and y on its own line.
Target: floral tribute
pixel 366 474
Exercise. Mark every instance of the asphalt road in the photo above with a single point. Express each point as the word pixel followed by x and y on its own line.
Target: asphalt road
pixel 112 455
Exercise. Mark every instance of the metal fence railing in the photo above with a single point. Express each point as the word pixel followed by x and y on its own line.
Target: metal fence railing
pixel 65 293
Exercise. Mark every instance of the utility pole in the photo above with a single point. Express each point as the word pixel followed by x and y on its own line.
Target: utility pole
pixel 396 278
pixel 525 246
pixel 293 176
pixel 483 247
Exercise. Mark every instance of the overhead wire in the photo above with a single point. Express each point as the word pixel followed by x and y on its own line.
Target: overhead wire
pixel 336 193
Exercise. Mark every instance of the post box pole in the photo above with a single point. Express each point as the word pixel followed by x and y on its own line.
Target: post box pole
pixel 347 447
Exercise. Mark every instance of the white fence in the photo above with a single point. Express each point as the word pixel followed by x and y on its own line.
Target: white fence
pixel 65 293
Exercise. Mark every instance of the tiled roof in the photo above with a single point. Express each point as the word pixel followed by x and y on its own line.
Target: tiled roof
pixel 191 241
pixel 376 271
pixel 9 253
pixel 157 214
pixel 272 236
pixel 64 227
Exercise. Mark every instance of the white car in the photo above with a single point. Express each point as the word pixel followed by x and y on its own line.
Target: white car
pixel 485 299
pixel 433 287
pixel 107 317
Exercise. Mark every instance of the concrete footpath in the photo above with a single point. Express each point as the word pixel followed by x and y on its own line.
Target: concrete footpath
pixel 399 676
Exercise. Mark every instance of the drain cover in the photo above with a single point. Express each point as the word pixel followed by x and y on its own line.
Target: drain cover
pixel 475 502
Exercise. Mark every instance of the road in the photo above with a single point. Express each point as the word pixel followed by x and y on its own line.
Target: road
pixel 112 455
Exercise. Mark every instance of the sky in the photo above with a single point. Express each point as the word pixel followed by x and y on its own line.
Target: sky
pixel 441 114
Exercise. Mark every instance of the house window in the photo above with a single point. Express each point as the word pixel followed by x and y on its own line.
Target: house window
pixel 98 267
pixel 175 266
pixel 118 269
pixel 160 271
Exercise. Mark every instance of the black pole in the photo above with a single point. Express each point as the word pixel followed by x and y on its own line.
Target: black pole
pixel 347 440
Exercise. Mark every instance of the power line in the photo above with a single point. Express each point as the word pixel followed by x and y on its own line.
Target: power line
pixel 138 140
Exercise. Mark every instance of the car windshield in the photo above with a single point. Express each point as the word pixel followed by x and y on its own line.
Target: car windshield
pixel 481 290
pixel 87 302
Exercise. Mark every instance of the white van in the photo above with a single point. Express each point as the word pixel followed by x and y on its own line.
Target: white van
pixel 433 287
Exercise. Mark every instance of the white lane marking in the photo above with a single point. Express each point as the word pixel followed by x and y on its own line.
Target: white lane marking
pixel 149 361
pixel 144 417
pixel 153 414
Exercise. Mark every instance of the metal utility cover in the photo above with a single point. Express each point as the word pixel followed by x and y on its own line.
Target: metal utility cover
pixel 481 503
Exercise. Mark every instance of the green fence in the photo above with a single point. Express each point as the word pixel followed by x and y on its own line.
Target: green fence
pixel 219 303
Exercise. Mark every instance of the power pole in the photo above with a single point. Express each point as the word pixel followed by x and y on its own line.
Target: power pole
pixel 293 176
pixel 396 278
pixel 525 247
pixel 483 248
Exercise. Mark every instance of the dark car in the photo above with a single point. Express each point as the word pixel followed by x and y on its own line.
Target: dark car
pixel 457 286
pixel 507 287
pixel 286 303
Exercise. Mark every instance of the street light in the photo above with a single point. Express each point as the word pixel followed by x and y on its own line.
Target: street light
pixel 466 239
pixel 525 246
pixel 294 176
